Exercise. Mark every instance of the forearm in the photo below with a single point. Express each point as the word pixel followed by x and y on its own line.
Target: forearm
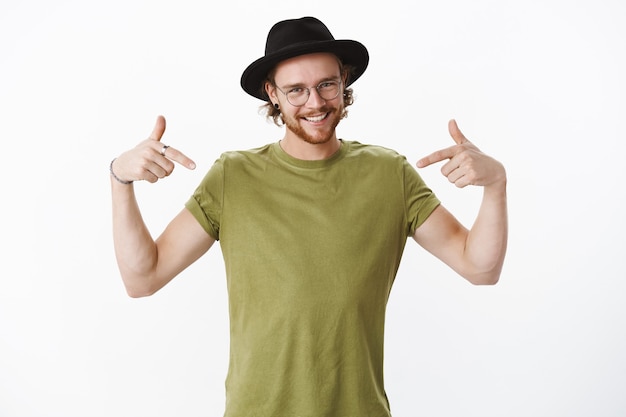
pixel 135 248
pixel 486 242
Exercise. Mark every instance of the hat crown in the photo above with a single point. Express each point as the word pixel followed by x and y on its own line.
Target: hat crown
pixel 289 33
pixel 295 37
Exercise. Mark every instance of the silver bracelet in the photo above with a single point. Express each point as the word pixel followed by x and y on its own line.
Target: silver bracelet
pixel 115 176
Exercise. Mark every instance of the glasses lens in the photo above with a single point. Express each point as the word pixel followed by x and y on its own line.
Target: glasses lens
pixel 297 97
pixel 328 90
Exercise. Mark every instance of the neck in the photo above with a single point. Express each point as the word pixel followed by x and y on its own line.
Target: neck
pixel 298 148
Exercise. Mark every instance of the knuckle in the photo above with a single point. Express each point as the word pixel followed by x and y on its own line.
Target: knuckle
pixel 464 156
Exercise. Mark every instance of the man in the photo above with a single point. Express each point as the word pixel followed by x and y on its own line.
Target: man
pixel 312 229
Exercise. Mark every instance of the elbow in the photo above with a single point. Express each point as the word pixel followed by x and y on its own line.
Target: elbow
pixel 138 293
pixel 485 273
pixel 484 278
pixel 139 289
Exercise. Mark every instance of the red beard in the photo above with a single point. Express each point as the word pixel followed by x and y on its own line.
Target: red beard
pixel 319 136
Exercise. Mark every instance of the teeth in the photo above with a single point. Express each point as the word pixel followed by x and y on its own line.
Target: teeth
pixel 316 118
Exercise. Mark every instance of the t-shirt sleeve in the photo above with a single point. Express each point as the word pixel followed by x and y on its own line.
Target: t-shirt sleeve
pixel 207 200
pixel 420 200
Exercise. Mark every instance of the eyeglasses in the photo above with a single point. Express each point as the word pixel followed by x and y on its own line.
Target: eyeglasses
pixel 298 96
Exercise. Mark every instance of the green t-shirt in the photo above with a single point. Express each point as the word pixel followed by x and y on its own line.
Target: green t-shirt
pixel 311 250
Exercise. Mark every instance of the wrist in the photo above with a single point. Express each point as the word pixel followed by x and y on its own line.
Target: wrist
pixel 121 181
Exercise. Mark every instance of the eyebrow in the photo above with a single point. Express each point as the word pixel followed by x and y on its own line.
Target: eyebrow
pixel 294 85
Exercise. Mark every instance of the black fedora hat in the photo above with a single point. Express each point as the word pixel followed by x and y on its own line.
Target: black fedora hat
pixel 294 37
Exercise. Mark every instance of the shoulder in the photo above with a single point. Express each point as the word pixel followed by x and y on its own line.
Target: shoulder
pixel 246 154
pixel 243 157
pixel 381 154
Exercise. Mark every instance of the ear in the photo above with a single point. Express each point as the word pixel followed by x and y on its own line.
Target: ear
pixel 270 90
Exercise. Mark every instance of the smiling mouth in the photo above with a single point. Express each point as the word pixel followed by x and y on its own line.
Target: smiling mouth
pixel 315 119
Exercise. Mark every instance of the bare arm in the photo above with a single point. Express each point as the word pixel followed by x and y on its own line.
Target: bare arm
pixel 476 254
pixel 147 265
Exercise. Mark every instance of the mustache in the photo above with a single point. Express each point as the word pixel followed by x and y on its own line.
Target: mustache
pixel 324 109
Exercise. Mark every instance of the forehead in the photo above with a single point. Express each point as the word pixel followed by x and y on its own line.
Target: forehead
pixel 307 68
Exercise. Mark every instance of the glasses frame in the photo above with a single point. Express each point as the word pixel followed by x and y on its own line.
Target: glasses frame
pixel 308 91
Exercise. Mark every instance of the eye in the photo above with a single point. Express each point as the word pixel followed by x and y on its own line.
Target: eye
pixel 327 84
pixel 296 90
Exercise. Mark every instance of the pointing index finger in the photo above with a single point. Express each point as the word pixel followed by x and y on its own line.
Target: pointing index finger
pixel 177 156
pixel 447 153
pixel 436 156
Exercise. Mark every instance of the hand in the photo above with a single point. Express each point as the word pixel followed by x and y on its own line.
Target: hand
pixel 467 165
pixel 148 161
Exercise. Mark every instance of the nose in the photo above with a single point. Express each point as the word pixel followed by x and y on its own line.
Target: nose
pixel 314 99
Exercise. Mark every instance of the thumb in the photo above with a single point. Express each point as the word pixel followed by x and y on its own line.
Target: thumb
pixel 456 133
pixel 159 128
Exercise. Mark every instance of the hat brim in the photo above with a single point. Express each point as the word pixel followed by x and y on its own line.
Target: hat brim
pixel 350 52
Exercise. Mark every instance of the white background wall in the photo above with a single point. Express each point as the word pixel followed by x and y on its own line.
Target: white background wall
pixel 538 84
